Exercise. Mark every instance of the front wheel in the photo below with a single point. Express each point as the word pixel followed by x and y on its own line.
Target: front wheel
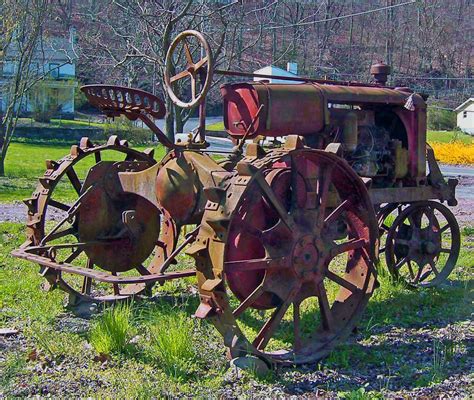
pixel 423 244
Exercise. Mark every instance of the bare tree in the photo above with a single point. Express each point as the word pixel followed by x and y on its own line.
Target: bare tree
pixel 21 23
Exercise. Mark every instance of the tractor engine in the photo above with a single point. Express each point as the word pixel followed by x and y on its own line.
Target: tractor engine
pixel 373 137
pixel 369 148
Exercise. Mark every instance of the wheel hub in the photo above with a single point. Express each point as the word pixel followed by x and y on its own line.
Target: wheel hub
pixel 306 259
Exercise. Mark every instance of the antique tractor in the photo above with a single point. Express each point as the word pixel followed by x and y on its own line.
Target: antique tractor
pixel 285 240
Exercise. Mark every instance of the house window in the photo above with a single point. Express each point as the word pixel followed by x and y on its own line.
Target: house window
pixel 464 114
pixel 54 70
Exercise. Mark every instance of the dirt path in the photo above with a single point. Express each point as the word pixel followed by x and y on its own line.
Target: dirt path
pixel 464 211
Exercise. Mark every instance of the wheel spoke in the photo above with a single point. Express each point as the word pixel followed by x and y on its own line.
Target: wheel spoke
pixel 433 268
pixel 60 234
pixel 269 328
pixel 418 274
pixel 58 205
pixel 385 227
pixel 187 53
pixel 401 262
pixel 274 201
pixel 256 264
pixel 323 192
pixel 179 76
pixel 444 228
pixel 410 270
pixel 193 86
pixel 76 183
pixel 445 250
pixel 200 63
pixel 337 212
pixel 73 255
pixel 341 281
pixel 324 308
pixel 431 216
pixel 249 300
pixel 87 282
pixel 247 227
pixel 353 244
pixel 296 326
pixel 142 270
pixel 116 286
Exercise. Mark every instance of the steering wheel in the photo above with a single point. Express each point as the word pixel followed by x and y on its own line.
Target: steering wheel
pixel 193 69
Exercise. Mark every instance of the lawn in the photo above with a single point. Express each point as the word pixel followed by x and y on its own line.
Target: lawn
pixel 26 162
pixel 407 341
pixel 449 136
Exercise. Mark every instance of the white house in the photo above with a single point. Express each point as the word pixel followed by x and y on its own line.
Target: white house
pixel 291 71
pixel 465 116
pixel 55 62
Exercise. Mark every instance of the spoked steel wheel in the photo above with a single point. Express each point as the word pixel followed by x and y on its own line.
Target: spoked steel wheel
pixel 297 257
pixel 100 229
pixel 386 215
pixel 423 244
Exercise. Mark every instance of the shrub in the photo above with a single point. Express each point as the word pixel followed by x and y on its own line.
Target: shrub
pixel 126 130
pixel 112 330
pixel 440 119
pixel 454 152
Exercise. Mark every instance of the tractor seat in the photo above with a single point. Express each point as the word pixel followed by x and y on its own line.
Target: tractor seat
pixel 117 100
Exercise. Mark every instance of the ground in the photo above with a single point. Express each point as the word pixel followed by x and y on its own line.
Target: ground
pixel 409 342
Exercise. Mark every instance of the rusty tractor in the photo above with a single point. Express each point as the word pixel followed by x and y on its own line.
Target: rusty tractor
pixel 285 240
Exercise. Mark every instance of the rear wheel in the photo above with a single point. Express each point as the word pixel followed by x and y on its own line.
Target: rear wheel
pixel 297 259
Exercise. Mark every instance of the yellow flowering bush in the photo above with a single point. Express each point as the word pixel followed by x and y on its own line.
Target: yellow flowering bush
pixel 454 152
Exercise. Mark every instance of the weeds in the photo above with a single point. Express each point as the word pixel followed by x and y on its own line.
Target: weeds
pixel 112 331
pixel 171 342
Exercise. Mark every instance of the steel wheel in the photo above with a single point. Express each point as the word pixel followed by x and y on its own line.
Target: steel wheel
pixel 423 244
pixel 297 257
pixel 74 232
pixel 386 215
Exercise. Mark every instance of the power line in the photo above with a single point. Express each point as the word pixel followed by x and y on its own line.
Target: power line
pixel 433 78
pixel 340 17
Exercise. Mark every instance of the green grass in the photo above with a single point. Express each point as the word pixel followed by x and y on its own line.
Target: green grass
pixel 449 136
pixel 218 126
pixel 112 331
pixel 156 348
pixel 26 162
pixel 66 123
pixel 171 343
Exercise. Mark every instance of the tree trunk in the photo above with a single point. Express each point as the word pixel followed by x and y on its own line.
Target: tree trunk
pixel 2 166
pixel 179 120
pixel 169 120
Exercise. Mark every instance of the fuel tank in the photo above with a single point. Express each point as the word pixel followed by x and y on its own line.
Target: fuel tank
pixel 270 109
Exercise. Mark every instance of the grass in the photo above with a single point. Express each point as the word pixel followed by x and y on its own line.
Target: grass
pixel 65 123
pixel 112 331
pixel 171 343
pixel 156 349
pixel 26 162
pixel 449 136
pixel 218 126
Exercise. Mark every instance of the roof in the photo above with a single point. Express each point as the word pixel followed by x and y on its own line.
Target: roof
pixel 464 105
pixel 275 71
